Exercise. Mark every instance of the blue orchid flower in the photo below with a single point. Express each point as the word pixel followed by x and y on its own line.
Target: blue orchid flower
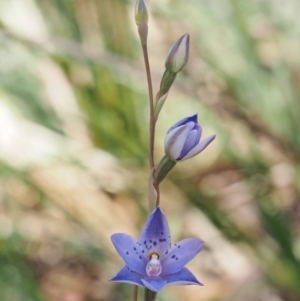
pixel 183 139
pixel 152 261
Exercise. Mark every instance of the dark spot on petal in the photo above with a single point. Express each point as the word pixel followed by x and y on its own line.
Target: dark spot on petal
pixel 143 251
pixel 178 247
pixel 167 252
pixel 162 233
pixel 161 239
pixel 134 248
pixel 127 253
pixel 173 256
pixel 150 240
pixel 142 257
pixel 145 242
pixel 155 243
pixel 176 258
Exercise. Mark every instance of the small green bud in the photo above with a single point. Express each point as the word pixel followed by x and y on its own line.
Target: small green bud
pixel 178 54
pixel 141 13
pixel 141 20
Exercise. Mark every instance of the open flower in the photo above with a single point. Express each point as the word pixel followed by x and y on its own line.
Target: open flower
pixel 183 139
pixel 152 261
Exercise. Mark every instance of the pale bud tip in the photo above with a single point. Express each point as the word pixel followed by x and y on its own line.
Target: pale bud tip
pixel 141 13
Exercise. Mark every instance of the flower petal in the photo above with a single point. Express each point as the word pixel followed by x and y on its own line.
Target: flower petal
pixel 154 284
pixel 191 141
pixel 180 254
pixel 200 147
pixel 130 251
pixel 192 118
pixel 183 277
pixel 127 276
pixel 155 236
pixel 175 140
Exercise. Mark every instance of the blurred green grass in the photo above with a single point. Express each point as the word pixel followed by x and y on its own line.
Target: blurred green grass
pixel 73 145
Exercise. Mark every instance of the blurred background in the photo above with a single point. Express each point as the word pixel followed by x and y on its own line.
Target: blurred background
pixel 73 146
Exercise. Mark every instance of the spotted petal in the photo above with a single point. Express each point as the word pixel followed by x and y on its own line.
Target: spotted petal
pixel 130 251
pixel 180 254
pixel 183 277
pixel 155 236
pixel 154 284
pixel 127 276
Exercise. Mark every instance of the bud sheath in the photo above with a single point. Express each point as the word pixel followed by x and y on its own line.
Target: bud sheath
pixel 166 82
pixel 162 169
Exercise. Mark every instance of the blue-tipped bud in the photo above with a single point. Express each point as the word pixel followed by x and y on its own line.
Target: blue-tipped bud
pixel 183 139
pixel 178 54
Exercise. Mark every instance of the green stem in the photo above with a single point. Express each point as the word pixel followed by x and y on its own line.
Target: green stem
pixel 149 295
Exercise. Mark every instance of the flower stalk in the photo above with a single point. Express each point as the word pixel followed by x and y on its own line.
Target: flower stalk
pixel 141 19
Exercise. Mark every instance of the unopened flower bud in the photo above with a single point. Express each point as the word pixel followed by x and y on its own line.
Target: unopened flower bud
pixel 141 13
pixel 178 54
pixel 183 139
pixel 141 20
